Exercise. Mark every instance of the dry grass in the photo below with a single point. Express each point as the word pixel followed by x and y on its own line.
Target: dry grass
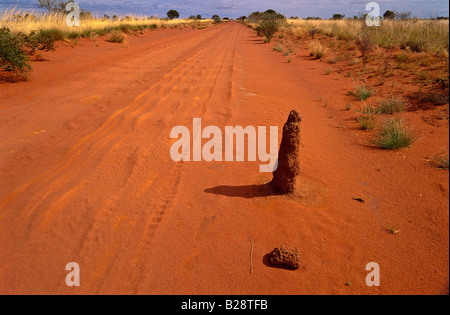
pixel 366 122
pixel 117 37
pixel 420 35
pixel 27 21
pixel 442 161
pixel 316 50
pixel 392 105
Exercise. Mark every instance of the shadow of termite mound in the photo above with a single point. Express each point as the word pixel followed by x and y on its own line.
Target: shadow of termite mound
pixel 307 192
pixel 246 191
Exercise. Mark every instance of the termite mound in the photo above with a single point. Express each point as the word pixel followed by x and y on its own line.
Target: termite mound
pixel 286 178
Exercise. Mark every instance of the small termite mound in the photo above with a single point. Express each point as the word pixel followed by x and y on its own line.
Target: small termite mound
pixel 285 177
pixel 285 256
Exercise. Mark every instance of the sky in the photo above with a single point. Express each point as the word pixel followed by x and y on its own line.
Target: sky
pixel 236 8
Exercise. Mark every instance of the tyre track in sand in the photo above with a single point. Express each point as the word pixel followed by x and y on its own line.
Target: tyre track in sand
pixel 123 153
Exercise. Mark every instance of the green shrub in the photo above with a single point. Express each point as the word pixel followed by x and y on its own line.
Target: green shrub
pixel 258 30
pixel 12 56
pixel 39 41
pixel 268 28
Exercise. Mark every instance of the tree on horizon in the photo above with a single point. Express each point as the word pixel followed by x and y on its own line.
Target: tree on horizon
pixel 389 15
pixel 338 16
pixel 173 14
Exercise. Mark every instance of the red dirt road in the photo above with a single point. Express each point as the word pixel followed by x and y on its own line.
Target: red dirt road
pixel 86 176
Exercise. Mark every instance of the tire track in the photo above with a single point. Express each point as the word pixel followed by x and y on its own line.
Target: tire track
pixel 117 177
pixel 111 122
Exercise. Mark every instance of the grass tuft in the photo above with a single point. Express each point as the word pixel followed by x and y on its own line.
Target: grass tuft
pixel 392 105
pixel 348 107
pixel 394 135
pixel 55 33
pixel 366 122
pixel 369 109
pixel 442 162
pixel 316 50
pixel 278 48
pixel 117 37
pixel 363 93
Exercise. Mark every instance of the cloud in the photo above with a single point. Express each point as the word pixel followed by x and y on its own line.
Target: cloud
pixel 235 8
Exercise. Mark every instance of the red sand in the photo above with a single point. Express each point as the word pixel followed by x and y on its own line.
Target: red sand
pixel 86 176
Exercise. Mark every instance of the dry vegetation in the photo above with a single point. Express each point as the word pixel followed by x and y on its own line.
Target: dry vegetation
pixel 402 65
pixel 406 53
pixel 420 35
pixel 26 22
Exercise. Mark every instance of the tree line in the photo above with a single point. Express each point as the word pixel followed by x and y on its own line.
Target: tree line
pixel 59 6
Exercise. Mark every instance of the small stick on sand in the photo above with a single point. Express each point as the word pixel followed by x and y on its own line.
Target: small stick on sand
pixel 251 255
